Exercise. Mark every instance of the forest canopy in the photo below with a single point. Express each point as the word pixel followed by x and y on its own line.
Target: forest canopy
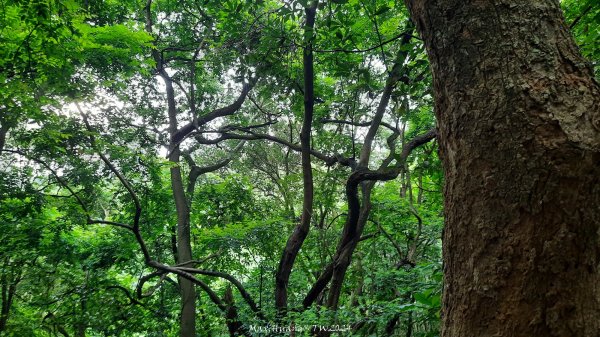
pixel 213 168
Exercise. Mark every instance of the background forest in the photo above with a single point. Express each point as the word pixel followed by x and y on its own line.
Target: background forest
pixel 199 167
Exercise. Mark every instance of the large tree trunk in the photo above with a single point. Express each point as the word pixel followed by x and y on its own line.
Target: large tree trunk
pixel 519 121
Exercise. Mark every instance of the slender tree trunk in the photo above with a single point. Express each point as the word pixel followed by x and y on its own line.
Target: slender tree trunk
pixel 403 185
pixel 81 326
pixel 300 232
pixel 358 213
pixel 8 292
pixel 184 245
pixel 346 247
pixel 231 316
pixel 409 324
pixel 420 186
pixel 3 133
pixel 184 253
pixel 519 132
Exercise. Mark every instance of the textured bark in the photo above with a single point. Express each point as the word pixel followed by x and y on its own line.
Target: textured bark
pixel 519 121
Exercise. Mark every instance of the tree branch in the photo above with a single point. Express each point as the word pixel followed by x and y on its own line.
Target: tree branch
pixel 392 79
pixel 124 182
pixel 379 45
pixel 339 121
pixel 112 223
pixel 211 294
pixel 201 261
pixel 185 130
pixel 578 18
pixel 296 239
pixel 390 239
pixel 329 160
pixel 358 176
pixel 55 174
pixel 233 281
pixel 3 133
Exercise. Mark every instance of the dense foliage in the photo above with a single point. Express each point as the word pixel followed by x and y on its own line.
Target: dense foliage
pixel 109 109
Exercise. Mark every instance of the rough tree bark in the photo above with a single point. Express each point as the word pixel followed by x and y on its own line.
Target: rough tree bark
pixel 519 131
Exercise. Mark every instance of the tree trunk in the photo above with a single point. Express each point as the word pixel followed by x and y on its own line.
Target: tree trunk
pixel 3 133
pixel 519 120
pixel 300 232
pixel 183 246
pixel 184 252
pixel 81 323
pixel 231 316
pixel 347 245
pixel 8 292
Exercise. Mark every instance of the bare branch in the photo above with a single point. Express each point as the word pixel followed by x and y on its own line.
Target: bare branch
pixel 211 294
pixel 201 261
pixel 233 281
pixel 367 237
pixel 393 78
pixel 390 239
pixel 185 130
pixel 360 175
pixel 578 18
pixel 379 45
pixel 339 121
pixel 112 223
pixel 329 160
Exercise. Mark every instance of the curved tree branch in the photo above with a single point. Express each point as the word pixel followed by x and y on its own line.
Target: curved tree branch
pixel 245 295
pixel 230 109
pixel 354 212
pixel 124 182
